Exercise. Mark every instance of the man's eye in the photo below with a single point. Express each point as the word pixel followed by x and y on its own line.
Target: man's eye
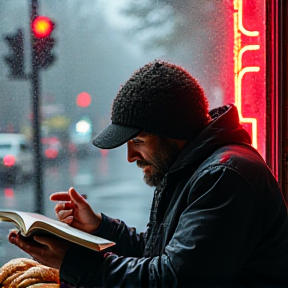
pixel 137 142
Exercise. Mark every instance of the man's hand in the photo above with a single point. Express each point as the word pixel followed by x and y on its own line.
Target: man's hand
pixel 49 251
pixel 75 211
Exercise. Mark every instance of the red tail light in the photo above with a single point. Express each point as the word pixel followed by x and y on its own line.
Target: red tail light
pixel 9 160
pixel 51 153
pixel 8 192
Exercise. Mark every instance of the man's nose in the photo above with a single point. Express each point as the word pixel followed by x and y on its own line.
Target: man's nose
pixel 132 152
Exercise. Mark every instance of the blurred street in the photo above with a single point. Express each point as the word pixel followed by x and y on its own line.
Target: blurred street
pixel 62 83
pixel 112 185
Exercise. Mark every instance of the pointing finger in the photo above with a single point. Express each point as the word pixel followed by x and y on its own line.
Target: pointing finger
pixel 60 196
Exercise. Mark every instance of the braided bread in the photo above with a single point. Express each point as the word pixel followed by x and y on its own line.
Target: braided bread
pixel 24 273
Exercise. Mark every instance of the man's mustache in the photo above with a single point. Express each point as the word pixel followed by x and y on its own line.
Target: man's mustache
pixel 142 163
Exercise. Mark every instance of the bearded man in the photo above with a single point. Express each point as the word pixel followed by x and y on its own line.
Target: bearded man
pixel 218 218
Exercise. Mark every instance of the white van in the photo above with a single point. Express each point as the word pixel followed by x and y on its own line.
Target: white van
pixel 16 157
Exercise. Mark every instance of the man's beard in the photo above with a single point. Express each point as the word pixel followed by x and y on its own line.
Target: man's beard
pixel 161 161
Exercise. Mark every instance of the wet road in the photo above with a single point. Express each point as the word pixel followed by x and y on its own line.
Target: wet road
pixel 112 186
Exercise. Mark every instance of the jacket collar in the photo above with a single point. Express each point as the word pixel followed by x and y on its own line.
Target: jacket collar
pixel 223 129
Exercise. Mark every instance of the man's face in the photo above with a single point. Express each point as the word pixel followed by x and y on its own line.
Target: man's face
pixel 154 155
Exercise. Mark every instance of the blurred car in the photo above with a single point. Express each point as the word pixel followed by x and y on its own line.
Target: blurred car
pixel 52 148
pixel 16 157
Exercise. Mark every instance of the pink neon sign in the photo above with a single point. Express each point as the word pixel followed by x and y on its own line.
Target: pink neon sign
pixel 249 68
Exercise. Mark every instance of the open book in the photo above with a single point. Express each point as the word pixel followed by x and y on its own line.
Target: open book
pixel 33 223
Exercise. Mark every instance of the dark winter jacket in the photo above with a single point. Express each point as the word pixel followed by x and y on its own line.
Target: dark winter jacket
pixel 218 220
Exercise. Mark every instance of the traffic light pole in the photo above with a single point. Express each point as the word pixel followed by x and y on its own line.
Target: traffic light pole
pixel 36 121
pixel 42 42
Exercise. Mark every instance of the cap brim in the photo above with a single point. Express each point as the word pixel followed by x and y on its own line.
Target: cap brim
pixel 114 136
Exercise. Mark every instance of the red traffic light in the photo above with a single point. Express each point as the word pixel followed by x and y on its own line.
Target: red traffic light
pixel 42 26
pixel 83 99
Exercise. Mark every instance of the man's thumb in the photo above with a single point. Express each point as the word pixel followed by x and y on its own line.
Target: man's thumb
pixel 76 197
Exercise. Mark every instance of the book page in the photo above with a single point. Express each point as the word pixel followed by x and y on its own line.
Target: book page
pixel 37 224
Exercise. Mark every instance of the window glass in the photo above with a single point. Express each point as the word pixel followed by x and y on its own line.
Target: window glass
pixel 97 46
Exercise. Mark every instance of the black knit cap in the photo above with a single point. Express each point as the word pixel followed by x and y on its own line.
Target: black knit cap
pixel 160 98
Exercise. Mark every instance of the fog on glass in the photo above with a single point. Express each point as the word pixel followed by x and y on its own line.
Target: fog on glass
pixel 98 45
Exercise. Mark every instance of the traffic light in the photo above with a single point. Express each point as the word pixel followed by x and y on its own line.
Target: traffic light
pixel 83 99
pixel 42 42
pixel 16 58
